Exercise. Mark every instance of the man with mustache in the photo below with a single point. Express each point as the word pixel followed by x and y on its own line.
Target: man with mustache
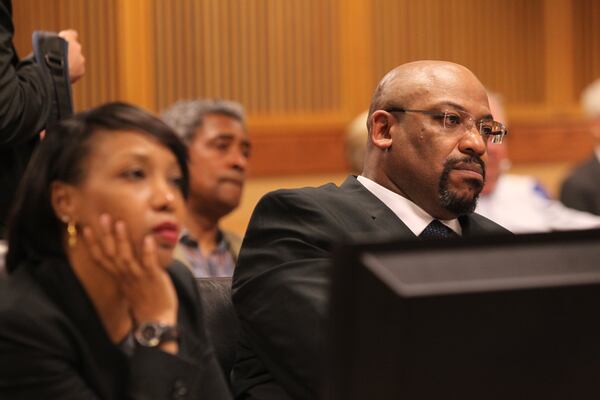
pixel 218 147
pixel 429 127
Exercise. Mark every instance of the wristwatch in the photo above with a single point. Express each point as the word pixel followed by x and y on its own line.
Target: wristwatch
pixel 151 334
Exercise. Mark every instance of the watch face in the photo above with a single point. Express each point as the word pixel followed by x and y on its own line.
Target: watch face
pixel 148 334
pixel 151 334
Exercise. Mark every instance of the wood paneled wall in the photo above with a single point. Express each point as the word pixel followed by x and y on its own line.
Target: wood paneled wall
pixel 498 40
pixel 276 57
pixel 304 68
pixel 95 20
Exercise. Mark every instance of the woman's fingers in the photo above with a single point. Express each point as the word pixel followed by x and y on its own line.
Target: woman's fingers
pixel 111 248
pixel 107 237
pixel 125 252
pixel 96 251
pixel 152 297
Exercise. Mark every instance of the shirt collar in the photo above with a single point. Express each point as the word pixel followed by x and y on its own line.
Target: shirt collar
pixel 187 239
pixel 411 214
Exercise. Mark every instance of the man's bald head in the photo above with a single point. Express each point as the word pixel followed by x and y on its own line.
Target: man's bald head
pixel 403 84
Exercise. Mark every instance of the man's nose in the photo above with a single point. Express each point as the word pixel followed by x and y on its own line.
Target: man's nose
pixel 239 159
pixel 472 142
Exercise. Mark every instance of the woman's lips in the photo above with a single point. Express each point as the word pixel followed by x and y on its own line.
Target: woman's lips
pixel 167 233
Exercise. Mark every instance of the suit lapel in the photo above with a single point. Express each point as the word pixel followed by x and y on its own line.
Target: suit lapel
pixel 383 218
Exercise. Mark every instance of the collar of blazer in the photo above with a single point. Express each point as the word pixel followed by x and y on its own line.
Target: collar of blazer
pixel 388 222
pixel 382 216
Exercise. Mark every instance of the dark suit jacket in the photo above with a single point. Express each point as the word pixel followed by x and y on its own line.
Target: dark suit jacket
pixel 26 94
pixel 53 345
pixel 281 283
pixel 581 189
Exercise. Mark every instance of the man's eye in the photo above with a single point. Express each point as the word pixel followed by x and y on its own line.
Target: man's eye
pixel 134 174
pixel 222 146
pixel 452 120
pixel 486 129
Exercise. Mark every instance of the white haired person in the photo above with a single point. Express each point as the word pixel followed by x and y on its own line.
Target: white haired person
pixel 218 145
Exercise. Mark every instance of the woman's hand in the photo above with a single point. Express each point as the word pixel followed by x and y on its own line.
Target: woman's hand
pixel 143 282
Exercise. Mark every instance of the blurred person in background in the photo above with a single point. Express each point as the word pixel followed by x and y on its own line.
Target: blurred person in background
pixel 519 202
pixel 26 101
pixel 219 148
pixel 356 143
pixel 92 307
pixel 581 189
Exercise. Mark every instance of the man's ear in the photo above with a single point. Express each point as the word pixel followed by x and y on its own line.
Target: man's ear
pixel 380 130
pixel 64 199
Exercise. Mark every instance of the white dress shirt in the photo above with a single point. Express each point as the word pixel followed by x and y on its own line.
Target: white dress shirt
pixel 413 216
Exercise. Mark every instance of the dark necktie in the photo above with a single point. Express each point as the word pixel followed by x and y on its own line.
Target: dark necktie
pixel 437 230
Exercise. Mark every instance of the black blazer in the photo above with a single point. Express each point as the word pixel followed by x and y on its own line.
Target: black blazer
pixel 53 345
pixel 581 189
pixel 26 94
pixel 281 282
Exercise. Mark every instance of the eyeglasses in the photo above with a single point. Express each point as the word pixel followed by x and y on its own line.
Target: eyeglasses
pixel 460 121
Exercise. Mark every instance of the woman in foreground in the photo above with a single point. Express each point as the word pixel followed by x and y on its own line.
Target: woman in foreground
pixel 90 310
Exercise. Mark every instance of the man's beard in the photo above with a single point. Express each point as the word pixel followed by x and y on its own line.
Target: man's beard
pixel 450 200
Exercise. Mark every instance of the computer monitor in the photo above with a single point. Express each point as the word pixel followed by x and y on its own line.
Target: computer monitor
pixel 482 318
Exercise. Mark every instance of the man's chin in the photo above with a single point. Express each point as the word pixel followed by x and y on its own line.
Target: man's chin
pixel 459 204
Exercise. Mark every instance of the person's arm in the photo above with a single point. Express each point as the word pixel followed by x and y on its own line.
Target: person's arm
pixel 280 289
pixel 26 92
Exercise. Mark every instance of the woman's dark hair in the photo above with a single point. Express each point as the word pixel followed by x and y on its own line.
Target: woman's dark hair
pixel 34 231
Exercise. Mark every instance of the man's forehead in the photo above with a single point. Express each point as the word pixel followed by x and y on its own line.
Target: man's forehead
pixel 433 81
pixel 215 123
pixel 465 95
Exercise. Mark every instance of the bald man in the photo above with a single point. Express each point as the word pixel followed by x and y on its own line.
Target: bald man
pixel 429 127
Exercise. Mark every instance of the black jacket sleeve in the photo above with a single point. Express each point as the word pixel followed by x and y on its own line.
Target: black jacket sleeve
pixel 279 291
pixel 25 90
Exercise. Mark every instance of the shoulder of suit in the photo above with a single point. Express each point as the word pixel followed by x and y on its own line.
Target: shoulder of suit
pixel 487 225
pixel 28 316
pixel 304 191
pixel 20 290
pixel 306 197
pixel 589 168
